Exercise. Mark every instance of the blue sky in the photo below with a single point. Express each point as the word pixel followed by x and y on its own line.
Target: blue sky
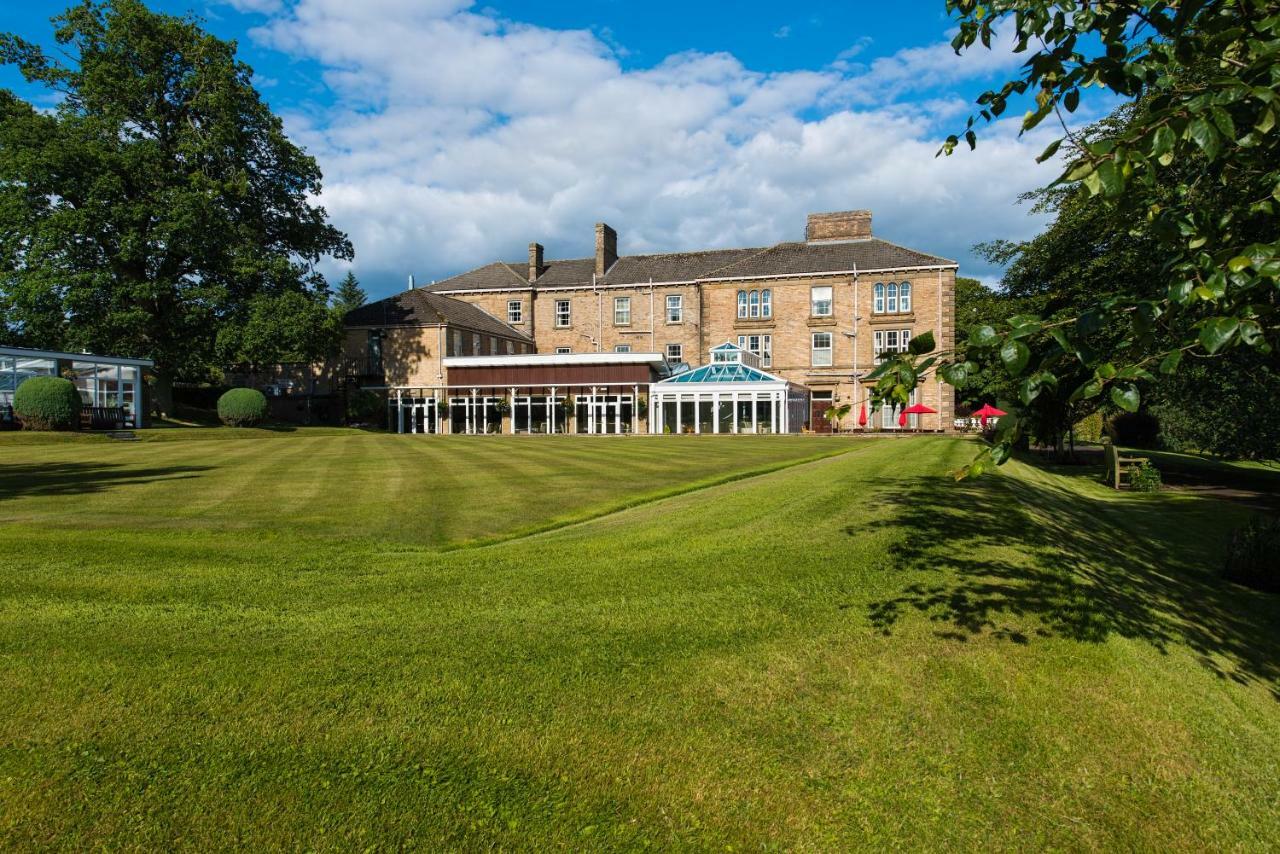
pixel 451 133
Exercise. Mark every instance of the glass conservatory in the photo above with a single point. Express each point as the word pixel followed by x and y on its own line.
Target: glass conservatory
pixel 731 394
pixel 106 383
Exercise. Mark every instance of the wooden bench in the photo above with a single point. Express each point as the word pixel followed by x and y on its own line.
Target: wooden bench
pixel 1118 466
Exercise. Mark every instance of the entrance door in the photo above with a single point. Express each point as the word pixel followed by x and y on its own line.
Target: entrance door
pixel 818 406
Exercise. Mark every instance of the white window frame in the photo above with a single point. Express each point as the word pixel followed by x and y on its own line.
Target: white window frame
pixel 675 353
pixel 564 319
pixel 766 303
pixel 742 305
pixel 515 311
pixel 891 303
pixel 820 305
pixel 904 298
pixel 563 351
pixel 622 348
pixel 878 306
pixel 675 308
pixel 890 341
pixel 817 358
pixel 477 345
pixel 753 302
pixel 760 345
pixel 622 311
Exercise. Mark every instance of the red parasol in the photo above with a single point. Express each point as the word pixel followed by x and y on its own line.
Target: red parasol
pixel 862 416
pixel 914 409
pixel 988 411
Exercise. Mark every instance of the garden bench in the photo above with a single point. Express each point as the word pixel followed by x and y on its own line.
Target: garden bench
pixel 1118 466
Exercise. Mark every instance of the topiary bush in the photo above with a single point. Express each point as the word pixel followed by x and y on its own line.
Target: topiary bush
pixel 1251 556
pixel 47 403
pixel 242 407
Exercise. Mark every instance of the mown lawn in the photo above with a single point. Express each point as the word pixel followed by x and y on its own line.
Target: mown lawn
pixel 853 652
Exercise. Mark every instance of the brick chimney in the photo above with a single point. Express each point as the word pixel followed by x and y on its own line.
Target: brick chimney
pixel 839 225
pixel 606 248
pixel 536 267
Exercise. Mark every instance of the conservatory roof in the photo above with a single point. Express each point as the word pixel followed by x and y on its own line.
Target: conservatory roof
pixel 724 372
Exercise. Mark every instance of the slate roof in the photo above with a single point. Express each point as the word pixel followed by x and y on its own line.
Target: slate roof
pixel 421 307
pixel 796 258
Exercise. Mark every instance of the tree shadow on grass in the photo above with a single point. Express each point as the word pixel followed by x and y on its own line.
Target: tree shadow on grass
pixel 1002 549
pixel 38 479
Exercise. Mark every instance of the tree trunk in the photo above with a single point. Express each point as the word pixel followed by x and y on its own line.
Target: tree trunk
pixel 162 394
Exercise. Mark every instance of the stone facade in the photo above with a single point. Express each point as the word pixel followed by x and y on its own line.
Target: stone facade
pixel 840 251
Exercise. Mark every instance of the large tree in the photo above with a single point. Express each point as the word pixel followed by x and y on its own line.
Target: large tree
pixel 1196 165
pixel 160 206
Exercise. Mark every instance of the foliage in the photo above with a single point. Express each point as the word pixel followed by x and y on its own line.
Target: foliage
pixel 1251 555
pixel 1134 429
pixel 834 414
pixel 242 407
pixel 349 295
pixel 47 403
pixel 1196 160
pixel 295 326
pixel 1089 428
pixel 1145 478
pixel 1229 406
pixel 365 406
pixel 160 207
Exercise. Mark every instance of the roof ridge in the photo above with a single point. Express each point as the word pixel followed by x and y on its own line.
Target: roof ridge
pixel 521 279
pixel 917 251
pixel 750 257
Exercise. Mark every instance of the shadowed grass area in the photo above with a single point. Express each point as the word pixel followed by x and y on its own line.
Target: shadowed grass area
pixel 849 653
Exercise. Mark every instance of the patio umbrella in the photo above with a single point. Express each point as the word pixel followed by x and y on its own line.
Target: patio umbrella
pixel 914 409
pixel 862 416
pixel 988 411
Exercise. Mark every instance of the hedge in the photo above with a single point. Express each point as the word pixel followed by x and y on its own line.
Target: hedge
pixel 47 403
pixel 242 407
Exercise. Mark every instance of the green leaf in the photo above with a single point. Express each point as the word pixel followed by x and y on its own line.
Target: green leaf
pixel 1169 364
pixel 1093 183
pixel 1029 389
pixel 1216 332
pixel 983 336
pixel 954 375
pixel 1105 371
pixel 1202 133
pixel 1162 145
pixel 1126 397
pixel 921 344
pixel 1014 355
pixel 1091 388
pixel 1049 151
pixel 1238 263
pixel 1251 333
pixel 1110 177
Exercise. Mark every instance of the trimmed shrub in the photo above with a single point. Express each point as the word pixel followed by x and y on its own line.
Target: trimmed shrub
pixel 242 407
pixel 47 403
pixel 1251 555
pixel 1147 478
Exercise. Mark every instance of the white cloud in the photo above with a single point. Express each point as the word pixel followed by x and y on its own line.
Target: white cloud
pixel 457 138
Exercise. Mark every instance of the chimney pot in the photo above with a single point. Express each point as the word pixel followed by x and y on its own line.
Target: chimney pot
pixel 606 248
pixel 535 261
pixel 838 225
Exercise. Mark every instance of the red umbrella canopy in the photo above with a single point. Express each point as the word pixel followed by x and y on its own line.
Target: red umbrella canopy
pixel 988 411
pixel 862 416
pixel 902 419
pixel 920 409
